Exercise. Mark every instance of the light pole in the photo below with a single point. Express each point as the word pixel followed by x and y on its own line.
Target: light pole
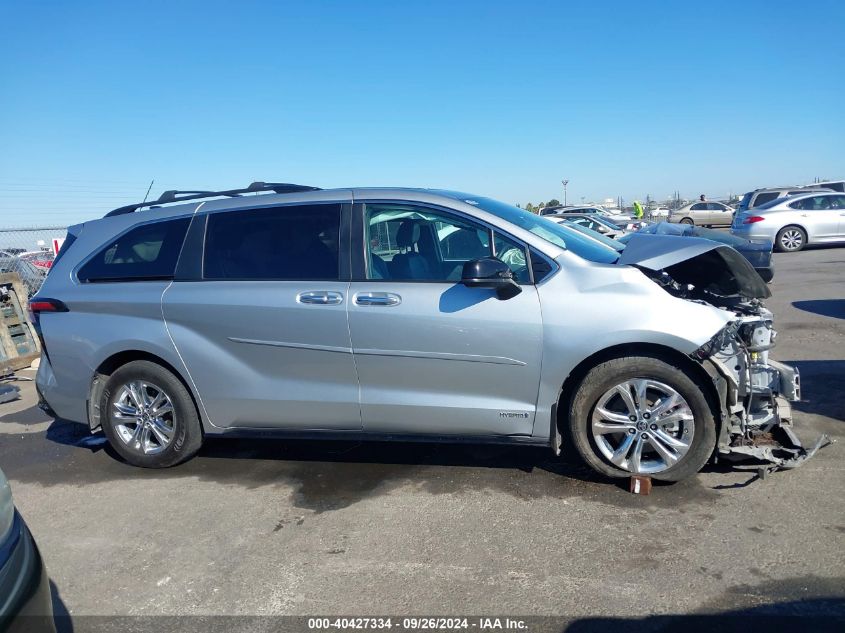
pixel 564 183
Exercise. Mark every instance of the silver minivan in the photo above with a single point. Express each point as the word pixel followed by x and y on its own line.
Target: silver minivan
pixel 406 314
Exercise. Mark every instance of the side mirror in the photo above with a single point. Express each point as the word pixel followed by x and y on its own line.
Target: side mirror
pixel 603 229
pixel 489 272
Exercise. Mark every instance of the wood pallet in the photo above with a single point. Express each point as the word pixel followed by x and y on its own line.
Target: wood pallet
pixel 19 344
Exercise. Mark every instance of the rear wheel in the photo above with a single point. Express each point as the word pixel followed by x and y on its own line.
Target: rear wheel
pixel 688 221
pixel 791 239
pixel 149 417
pixel 642 416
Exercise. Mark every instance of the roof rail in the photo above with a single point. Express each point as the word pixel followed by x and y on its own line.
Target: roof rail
pixel 185 196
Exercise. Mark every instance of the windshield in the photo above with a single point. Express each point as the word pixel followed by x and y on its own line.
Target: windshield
pixel 560 235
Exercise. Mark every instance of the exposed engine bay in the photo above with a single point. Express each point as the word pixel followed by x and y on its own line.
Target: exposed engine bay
pixel 755 390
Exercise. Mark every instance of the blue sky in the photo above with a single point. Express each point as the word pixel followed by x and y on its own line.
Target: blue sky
pixel 498 98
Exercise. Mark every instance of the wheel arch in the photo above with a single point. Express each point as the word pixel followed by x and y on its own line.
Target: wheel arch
pixel 110 364
pixel 797 225
pixel 652 350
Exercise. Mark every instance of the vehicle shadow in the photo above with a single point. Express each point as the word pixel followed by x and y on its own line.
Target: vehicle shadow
pixel 825 307
pixel 61 615
pixel 821 615
pixel 325 475
pixel 821 392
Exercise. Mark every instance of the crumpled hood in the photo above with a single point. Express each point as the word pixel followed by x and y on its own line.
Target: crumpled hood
pixel 692 260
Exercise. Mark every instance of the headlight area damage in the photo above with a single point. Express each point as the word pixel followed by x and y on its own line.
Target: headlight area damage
pixel 754 390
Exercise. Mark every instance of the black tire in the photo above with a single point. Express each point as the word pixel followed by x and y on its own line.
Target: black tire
pixel 689 221
pixel 604 377
pixel 791 239
pixel 182 422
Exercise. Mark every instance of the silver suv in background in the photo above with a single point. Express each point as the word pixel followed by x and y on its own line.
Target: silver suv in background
pixel 759 197
pixel 407 314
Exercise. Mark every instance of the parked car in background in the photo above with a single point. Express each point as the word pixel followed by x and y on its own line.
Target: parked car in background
pixel 757 252
pixel 833 185
pixel 759 197
pixel 167 325
pixel 30 275
pixel 594 221
pixel 703 214
pixel 622 219
pixel 40 259
pixel 25 602
pixel 657 214
pixel 794 222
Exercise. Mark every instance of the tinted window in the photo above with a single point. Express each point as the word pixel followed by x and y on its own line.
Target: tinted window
pixel 409 243
pixel 715 206
pixel 294 242
pixel 539 266
pixel 814 203
pixel 146 252
pixel 700 206
pixel 763 198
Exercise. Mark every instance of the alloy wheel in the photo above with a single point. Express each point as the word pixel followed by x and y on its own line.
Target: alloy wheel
pixel 642 426
pixel 791 240
pixel 143 417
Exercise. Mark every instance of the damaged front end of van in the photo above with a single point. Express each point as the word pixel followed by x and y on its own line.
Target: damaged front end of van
pixel 755 391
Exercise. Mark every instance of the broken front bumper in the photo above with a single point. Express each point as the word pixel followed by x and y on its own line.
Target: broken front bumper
pixel 756 393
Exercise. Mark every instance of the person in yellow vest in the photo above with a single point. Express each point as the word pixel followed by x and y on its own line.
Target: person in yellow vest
pixel 638 210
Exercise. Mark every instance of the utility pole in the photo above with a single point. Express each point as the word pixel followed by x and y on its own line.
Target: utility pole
pixel 564 183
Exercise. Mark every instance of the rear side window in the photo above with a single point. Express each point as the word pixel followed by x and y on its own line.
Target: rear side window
pixel 700 206
pixel 147 252
pixel 295 242
pixel 763 198
pixel 815 203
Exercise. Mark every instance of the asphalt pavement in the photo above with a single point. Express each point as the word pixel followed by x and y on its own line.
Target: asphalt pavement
pixel 265 527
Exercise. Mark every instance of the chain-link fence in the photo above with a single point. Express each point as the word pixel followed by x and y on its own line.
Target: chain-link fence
pixel 29 253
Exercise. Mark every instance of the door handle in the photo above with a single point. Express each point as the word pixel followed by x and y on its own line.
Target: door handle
pixel 385 299
pixel 320 297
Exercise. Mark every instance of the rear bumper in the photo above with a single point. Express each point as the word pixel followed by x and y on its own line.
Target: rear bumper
pixel 754 231
pixel 54 400
pixel 25 601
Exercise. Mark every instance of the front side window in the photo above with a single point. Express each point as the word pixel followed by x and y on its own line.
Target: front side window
pixel 297 242
pixel 147 252
pixel 409 243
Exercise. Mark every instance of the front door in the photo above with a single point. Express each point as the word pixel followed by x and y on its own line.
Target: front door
pixel 434 356
pixel 821 215
pixel 720 214
pixel 263 331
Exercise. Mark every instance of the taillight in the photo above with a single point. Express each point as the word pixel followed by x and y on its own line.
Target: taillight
pixel 37 306
pixel 753 219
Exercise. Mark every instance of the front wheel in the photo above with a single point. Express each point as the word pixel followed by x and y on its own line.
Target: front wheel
pixel 642 416
pixel 791 239
pixel 149 416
